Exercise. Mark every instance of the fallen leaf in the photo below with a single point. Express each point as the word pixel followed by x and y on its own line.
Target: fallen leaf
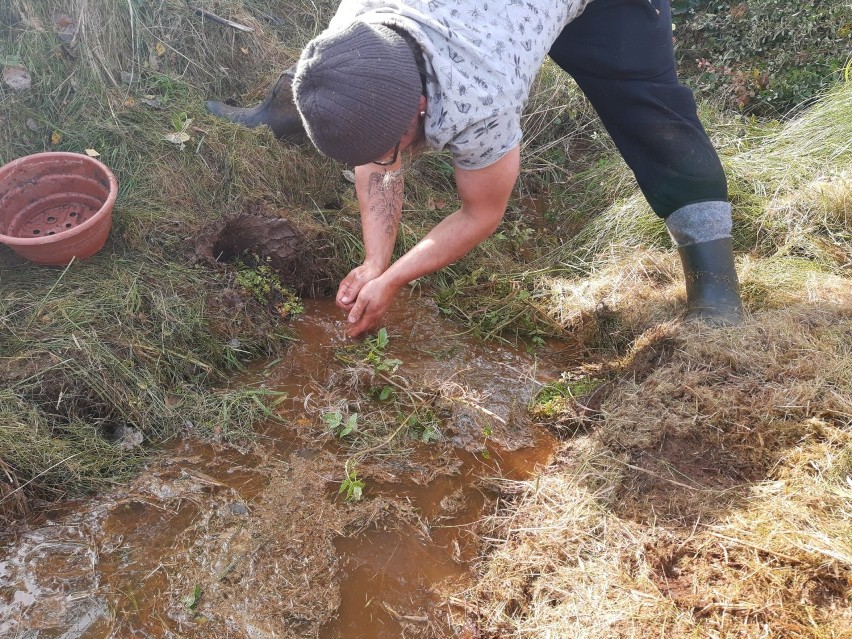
pixel 129 103
pixel 160 49
pixel 349 175
pixel 244 51
pixel 32 125
pixel 92 153
pixel 55 138
pixel 152 102
pixel 17 77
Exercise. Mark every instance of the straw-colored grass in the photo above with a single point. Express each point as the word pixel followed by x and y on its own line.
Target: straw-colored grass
pixel 712 499
pixel 126 345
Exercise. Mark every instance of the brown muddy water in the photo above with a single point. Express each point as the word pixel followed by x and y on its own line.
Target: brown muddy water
pixel 254 542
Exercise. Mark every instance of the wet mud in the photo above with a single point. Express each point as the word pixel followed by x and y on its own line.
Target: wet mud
pixel 217 541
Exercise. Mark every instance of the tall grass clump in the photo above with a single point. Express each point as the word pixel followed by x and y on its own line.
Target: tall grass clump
pixel 790 189
pixel 801 173
pixel 134 345
pixel 99 359
pixel 711 498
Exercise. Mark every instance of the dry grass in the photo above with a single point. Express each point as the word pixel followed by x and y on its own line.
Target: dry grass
pixel 712 499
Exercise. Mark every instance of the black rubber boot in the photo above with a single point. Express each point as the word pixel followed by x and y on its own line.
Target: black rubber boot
pixel 712 289
pixel 277 111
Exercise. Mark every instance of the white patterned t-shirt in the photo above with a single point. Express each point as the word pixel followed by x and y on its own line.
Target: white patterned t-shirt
pixel 482 57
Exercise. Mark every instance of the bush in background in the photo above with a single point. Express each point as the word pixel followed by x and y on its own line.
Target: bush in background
pixel 763 56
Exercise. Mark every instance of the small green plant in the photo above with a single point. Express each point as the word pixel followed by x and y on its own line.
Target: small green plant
pixel 430 434
pixel 556 397
pixel 166 88
pixel 425 426
pixel 371 352
pixel 181 121
pixel 351 487
pixel 339 426
pixel 376 354
pixel 264 285
pixel 192 599
pixel 487 431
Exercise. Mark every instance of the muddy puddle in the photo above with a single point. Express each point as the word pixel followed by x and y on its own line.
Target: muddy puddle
pixel 213 541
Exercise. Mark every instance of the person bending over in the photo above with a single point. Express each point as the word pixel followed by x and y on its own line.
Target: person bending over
pixel 389 76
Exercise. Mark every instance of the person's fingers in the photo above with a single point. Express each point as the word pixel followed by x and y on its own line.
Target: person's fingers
pixel 357 310
pixel 348 291
pixel 363 317
pixel 344 299
pixel 362 327
pixel 351 286
pixel 369 308
pixel 345 294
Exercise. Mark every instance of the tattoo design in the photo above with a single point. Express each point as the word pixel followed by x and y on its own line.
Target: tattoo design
pixel 384 195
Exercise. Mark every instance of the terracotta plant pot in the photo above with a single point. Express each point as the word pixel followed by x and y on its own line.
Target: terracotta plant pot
pixel 56 206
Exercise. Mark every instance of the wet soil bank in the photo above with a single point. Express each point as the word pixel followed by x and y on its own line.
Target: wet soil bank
pixel 211 540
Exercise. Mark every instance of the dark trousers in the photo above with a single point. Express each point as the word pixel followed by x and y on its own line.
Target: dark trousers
pixel 620 54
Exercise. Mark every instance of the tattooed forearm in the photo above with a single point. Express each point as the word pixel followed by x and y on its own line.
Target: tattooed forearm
pixel 384 195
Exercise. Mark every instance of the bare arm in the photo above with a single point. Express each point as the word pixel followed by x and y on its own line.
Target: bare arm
pixel 379 190
pixel 484 194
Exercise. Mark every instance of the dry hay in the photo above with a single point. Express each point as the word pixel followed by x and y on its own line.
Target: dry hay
pixel 627 290
pixel 713 499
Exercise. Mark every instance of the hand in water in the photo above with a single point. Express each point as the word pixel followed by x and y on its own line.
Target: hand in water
pixel 370 307
pixel 352 284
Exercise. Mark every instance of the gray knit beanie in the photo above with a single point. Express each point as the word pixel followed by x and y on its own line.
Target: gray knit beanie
pixel 357 91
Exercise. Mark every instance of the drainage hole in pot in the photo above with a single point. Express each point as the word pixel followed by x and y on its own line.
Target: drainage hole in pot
pixel 51 219
pixel 51 233
pixel 68 226
pixel 72 214
pixel 36 231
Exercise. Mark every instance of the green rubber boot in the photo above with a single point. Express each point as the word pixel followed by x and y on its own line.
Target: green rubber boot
pixel 712 288
pixel 277 111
